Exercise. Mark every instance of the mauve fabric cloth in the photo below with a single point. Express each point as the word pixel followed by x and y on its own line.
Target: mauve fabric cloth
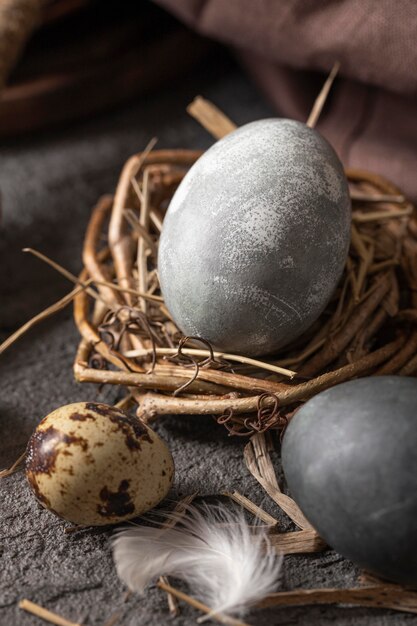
pixel 371 115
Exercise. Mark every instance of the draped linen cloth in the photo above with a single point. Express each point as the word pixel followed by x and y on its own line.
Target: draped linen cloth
pixel 371 115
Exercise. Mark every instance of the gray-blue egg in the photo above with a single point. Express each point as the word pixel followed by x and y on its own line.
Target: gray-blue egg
pixel 256 237
pixel 350 461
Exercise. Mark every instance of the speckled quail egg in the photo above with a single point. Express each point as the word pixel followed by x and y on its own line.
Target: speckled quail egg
pixel 92 464
pixel 256 237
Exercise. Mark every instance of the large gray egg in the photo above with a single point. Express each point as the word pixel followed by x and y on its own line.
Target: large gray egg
pixel 256 237
pixel 350 460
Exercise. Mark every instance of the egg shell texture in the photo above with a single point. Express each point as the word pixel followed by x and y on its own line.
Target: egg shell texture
pixel 256 237
pixel 350 460
pixel 93 464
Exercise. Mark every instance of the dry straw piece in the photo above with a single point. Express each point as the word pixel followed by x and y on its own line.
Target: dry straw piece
pixel 47 616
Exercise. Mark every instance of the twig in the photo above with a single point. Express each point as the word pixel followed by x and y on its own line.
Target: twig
pixel 322 97
pixel 263 459
pixel 219 617
pixel 338 342
pixel 44 614
pixel 99 273
pixel 361 196
pixel 48 312
pixel 410 368
pixel 14 467
pixel 210 117
pixel 156 404
pixel 144 380
pixel 134 292
pixel 378 216
pixel 383 596
pixel 218 355
pixel 297 542
pixel 125 403
pixel 401 358
pixel 173 607
pixel 251 507
pixel 140 229
pixel 286 503
pixel 120 241
pixel 142 242
pixel 61 270
pixel 179 510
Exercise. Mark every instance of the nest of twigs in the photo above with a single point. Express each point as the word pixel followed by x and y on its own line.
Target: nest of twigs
pixel 130 339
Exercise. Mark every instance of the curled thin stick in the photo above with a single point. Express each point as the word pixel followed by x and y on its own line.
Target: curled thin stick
pixel 44 614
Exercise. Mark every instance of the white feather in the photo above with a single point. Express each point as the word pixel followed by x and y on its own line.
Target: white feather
pixel 213 550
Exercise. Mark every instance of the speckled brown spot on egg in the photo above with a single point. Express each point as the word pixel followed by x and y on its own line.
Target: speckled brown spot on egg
pixel 116 503
pixel 132 427
pixel 81 417
pixel 43 448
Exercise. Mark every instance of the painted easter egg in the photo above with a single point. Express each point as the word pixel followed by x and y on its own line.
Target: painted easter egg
pixel 92 464
pixel 350 460
pixel 256 237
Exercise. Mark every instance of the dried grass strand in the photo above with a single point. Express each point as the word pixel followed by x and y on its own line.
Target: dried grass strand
pixel 14 467
pixel 40 317
pixel 210 117
pixel 218 617
pixel 45 614
pixel 320 101
pixel 218 355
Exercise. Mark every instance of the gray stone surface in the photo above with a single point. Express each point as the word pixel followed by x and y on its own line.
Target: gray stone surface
pixel 48 185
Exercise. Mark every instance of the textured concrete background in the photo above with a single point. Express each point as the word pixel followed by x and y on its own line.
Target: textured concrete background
pixel 48 185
